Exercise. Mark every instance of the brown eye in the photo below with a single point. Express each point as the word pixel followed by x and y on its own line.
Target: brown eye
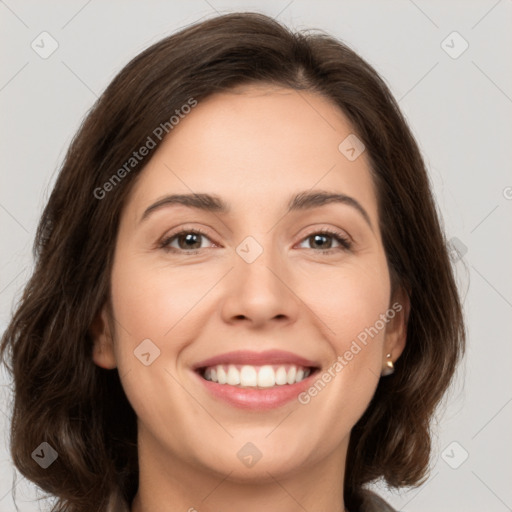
pixel 324 240
pixel 187 240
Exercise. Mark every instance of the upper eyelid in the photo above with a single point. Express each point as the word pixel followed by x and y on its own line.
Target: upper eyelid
pixel 330 231
pixel 180 231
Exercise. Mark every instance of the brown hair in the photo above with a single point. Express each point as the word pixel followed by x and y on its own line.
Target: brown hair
pixel 80 409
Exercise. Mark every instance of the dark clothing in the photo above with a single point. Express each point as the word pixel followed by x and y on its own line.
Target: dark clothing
pixel 372 503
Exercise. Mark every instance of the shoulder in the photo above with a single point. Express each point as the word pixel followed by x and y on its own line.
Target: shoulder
pixel 374 503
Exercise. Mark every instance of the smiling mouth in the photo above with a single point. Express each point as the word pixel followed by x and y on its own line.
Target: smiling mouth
pixel 256 376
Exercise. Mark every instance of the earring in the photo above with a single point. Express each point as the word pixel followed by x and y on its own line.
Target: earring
pixel 389 368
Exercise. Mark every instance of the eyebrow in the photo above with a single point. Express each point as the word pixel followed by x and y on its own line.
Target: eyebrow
pixel 302 201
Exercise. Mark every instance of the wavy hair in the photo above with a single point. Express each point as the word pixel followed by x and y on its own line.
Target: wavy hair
pixel 63 398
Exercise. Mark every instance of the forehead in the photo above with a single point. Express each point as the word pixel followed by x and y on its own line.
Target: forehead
pixel 255 145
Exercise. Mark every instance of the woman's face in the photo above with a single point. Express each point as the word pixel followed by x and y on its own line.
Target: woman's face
pixel 260 295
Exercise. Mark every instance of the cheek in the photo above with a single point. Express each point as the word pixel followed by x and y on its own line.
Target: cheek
pixel 157 303
pixel 349 300
pixel 351 305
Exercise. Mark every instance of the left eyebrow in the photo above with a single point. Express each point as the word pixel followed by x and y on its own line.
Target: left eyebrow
pixel 302 201
pixel 307 200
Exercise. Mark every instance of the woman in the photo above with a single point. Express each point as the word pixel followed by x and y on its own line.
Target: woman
pixel 183 342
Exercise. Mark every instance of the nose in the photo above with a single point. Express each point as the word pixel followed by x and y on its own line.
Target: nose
pixel 260 292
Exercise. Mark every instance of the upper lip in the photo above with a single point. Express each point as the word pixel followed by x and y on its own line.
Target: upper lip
pixel 270 357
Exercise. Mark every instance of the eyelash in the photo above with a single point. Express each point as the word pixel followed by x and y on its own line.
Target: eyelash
pixel 345 243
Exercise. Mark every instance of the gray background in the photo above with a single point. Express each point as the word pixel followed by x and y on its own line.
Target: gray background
pixel 458 108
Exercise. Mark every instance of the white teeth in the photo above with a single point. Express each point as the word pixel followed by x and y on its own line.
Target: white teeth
pixel 233 378
pixel 221 375
pixel 265 376
pixel 292 373
pixel 248 376
pixel 281 376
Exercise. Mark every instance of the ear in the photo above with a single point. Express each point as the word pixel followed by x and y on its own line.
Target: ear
pixel 103 345
pixel 396 329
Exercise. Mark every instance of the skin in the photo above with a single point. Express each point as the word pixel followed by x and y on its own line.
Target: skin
pixel 255 147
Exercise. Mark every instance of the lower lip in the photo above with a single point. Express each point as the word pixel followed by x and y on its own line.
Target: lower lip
pixel 256 399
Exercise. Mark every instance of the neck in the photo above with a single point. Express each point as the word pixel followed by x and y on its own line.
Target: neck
pixel 167 484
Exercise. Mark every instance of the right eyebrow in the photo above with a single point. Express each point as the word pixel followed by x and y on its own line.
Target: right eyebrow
pixel 206 202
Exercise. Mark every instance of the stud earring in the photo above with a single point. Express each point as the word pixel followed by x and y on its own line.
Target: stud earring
pixel 389 368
